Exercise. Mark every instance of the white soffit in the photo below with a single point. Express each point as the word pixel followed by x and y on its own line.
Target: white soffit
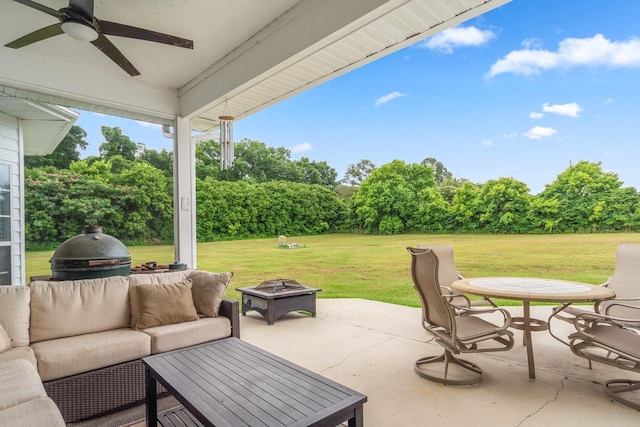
pixel 43 126
pixel 88 105
pixel 382 32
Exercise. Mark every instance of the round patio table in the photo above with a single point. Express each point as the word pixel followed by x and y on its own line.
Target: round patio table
pixel 528 289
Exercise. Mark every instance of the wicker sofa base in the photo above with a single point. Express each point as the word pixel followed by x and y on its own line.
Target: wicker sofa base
pixel 111 389
pixel 98 392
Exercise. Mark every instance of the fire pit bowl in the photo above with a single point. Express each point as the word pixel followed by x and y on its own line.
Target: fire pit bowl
pixel 279 285
pixel 90 255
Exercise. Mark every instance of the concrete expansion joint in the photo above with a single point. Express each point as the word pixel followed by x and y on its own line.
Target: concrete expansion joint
pixel 545 404
pixel 350 355
pixel 429 340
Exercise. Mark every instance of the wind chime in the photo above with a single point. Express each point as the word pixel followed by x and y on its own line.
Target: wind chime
pixel 226 142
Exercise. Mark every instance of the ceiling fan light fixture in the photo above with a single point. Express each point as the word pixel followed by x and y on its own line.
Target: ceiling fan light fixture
pixel 79 31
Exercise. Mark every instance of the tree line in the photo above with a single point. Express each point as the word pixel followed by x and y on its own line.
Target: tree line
pixel 128 189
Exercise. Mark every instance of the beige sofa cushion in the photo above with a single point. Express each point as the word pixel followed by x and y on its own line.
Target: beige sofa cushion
pixel 15 353
pixel 14 313
pixel 208 291
pixel 165 304
pixel 37 412
pixel 5 341
pixel 172 337
pixel 150 279
pixel 19 383
pixel 73 355
pixel 75 307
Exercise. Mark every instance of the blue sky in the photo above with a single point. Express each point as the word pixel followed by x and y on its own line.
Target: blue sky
pixel 522 91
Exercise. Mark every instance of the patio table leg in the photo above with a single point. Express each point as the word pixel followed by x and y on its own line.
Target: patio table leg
pixel 527 338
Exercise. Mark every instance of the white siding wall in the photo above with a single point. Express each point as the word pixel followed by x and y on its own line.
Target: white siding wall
pixel 11 153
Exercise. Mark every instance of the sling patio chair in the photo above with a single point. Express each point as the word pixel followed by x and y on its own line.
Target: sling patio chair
pixel 614 341
pixel 457 330
pixel 625 282
pixel 447 274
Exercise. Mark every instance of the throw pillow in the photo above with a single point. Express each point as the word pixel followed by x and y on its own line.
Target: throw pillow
pixel 5 342
pixel 149 279
pixel 208 291
pixel 165 304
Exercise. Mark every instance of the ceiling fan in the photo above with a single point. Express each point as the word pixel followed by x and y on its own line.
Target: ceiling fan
pixel 78 22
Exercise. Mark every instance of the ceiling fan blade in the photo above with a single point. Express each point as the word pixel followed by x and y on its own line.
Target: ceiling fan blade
pixel 40 7
pixel 116 29
pixel 36 36
pixel 116 56
pixel 84 6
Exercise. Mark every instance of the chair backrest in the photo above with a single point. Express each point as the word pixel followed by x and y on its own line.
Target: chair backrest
pixel 447 273
pixel 436 311
pixel 626 277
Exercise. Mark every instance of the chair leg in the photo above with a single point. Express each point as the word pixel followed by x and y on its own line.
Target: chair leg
pixel 449 359
pixel 612 388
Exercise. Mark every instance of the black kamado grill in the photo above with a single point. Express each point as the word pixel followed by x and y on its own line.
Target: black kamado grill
pixel 90 255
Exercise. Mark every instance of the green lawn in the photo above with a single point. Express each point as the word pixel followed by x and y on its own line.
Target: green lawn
pixel 377 267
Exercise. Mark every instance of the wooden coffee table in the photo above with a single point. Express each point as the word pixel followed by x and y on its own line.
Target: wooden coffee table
pixel 230 382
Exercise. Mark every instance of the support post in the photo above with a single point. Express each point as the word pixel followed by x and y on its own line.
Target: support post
pixel 184 193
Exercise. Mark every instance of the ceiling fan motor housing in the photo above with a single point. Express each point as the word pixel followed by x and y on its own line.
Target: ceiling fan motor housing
pixel 78 26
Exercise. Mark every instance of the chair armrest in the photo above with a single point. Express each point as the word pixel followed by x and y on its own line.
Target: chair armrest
pixel 506 316
pixel 231 309
pixel 449 294
pixel 567 313
pixel 583 322
pixel 613 302
pixel 620 302
pixel 446 291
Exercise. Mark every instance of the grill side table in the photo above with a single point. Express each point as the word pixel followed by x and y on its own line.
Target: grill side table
pixel 272 305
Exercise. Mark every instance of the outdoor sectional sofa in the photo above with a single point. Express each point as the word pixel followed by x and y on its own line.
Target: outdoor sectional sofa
pixel 87 337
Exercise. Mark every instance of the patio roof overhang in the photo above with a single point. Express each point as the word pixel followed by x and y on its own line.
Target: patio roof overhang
pixel 247 54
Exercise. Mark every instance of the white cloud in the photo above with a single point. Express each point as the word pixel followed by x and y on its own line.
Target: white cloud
pixel 451 38
pixel 386 98
pixel 572 52
pixel 539 132
pixel 535 115
pixel 486 142
pixel 510 135
pixel 531 43
pixel 572 109
pixel 301 148
pixel 609 101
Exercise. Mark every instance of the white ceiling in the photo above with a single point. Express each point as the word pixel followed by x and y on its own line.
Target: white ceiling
pixel 248 54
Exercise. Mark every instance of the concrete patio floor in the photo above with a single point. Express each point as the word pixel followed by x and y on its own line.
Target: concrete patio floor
pixel 372 346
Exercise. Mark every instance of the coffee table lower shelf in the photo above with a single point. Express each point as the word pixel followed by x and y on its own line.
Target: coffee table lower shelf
pixel 178 417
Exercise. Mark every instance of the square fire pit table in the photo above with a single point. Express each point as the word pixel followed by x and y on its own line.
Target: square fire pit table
pixel 274 298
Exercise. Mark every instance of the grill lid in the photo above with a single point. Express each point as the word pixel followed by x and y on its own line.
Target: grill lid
pixel 89 253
